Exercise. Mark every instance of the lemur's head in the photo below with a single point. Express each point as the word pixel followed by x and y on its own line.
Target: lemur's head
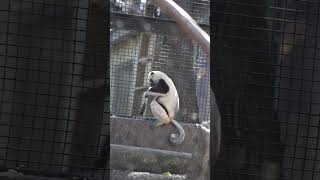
pixel 155 76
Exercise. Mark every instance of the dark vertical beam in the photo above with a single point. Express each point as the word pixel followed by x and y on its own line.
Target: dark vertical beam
pixel 86 141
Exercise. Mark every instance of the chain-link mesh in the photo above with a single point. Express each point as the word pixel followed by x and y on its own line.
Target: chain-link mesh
pixel 267 82
pixel 198 9
pixel 135 52
pixel 53 77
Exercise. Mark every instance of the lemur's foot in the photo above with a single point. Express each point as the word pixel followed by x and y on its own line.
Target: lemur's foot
pixel 155 124
pixel 150 119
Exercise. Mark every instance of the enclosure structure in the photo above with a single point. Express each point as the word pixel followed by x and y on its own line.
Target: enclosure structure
pixel 266 76
pixel 142 39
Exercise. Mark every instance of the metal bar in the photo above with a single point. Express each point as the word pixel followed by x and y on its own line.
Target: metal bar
pixel 147 24
pixel 185 22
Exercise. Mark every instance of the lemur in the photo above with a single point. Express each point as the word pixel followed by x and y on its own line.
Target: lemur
pixel 165 104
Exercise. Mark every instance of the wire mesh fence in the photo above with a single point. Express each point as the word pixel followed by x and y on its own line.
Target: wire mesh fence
pixel 143 41
pixel 135 52
pixel 53 87
pixel 129 72
pixel 198 9
pixel 267 82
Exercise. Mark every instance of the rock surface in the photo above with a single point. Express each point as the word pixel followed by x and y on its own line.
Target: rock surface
pixel 145 148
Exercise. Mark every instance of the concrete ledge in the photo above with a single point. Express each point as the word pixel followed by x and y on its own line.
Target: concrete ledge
pixel 137 132
pixel 147 159
pixel 120 175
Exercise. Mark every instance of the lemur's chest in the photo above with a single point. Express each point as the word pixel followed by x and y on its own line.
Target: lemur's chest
pixel 169 101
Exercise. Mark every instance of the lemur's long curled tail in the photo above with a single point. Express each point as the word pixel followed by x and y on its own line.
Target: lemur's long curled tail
pixel 177 138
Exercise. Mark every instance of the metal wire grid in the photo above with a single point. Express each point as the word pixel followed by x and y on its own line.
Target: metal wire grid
pixel 53 76
pixel 198 9
pixel 267 82
pixel 135 54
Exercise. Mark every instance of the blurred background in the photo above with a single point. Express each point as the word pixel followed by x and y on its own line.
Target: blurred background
pixel 266 76
pixel 53 87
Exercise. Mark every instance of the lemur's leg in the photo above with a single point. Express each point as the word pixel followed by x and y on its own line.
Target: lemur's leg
pixel 160 113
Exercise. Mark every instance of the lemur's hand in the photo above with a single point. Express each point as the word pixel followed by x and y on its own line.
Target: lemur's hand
pixel 143 109
pixel 145 95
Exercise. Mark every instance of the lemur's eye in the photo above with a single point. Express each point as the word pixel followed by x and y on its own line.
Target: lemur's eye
pixel 152 73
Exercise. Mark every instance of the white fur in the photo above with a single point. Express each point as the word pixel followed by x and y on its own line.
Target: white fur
pixel 170 100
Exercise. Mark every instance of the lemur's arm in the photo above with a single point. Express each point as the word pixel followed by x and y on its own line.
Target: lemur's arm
pixel 150 93
pixel 160 89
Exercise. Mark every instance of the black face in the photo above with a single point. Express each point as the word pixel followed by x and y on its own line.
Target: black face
pixel 159 86
pixel 152 82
